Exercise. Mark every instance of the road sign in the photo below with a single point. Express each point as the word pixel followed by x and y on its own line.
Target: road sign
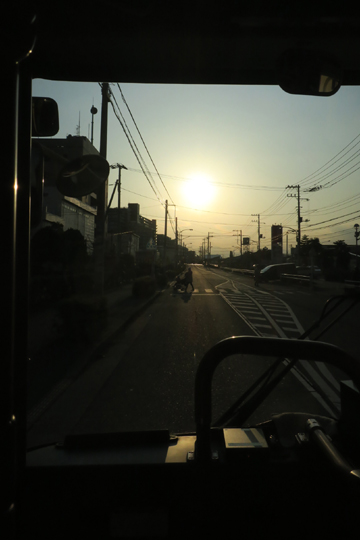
pixel 151 244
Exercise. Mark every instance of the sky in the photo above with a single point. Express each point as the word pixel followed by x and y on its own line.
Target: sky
pixel 224 155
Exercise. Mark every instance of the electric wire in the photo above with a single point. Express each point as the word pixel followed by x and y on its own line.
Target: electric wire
pixel 133 145
pixel 141 137
pixel 138 155
pixel 308 178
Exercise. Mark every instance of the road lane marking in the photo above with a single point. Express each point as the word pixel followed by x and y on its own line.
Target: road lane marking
pixel 262 325
pixel 326 377
pixel 288 329
pixel 208 290
pixel 270 310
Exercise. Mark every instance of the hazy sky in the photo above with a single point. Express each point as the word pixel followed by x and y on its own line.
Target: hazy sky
pixel 226 153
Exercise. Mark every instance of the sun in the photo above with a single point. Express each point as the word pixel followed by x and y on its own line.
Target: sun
pixel 199 190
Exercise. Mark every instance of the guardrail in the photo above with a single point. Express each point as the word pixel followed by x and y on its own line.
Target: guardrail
pixel 296 277
pixel 238 270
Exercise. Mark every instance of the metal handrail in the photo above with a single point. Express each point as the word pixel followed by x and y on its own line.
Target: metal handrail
pixel 263 347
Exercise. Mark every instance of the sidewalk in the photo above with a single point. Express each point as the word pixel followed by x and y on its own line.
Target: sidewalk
pixel 54 356
pixel 122 306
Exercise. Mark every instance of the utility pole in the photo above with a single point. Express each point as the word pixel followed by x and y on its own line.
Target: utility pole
pixel 258 222
pixel 356 234
pixel 299 217
pixel 176 241
pixel 208 243
pixel 239 233
pixel 102 193
pixel 118 185
pixel 166 212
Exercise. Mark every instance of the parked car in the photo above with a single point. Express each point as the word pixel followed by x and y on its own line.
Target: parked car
pixel 274 271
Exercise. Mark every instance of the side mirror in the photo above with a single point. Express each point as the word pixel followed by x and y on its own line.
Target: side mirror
pixel 45 117
pixel 310 73
pixel 83 175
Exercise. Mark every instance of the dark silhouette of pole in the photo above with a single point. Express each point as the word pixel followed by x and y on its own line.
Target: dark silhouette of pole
pixel 166 212
pixel 93 111
pixel 102 193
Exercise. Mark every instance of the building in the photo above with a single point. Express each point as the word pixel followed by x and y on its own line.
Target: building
pixel 70 212
pixel 126 242
pixel 169 252
pixel 136 229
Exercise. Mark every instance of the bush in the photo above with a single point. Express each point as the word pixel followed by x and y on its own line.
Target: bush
pixel 171 274
pixel 144 286
pixel 83 317
pixel 161 280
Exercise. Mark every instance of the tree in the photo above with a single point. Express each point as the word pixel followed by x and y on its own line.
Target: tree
pixel 342 255
pixel 307 244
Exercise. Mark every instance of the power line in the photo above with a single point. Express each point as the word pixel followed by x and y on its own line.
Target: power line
pixel 333 224
pixel 308 178
pixel 332 219
pixel 220 184
pixel 141 137
pixel 133 144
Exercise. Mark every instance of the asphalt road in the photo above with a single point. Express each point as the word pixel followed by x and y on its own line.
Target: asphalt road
pixel 145 377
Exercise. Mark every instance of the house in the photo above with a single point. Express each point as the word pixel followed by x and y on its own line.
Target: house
pixel 70 212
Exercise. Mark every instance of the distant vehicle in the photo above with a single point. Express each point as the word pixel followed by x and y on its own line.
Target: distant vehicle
pixel 274 271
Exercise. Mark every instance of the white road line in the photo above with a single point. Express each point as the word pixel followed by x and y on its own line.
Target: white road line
pixel 263 325
pixel 322 367
pixel 291 329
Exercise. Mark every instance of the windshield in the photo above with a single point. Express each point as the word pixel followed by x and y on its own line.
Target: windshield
pixel 130 290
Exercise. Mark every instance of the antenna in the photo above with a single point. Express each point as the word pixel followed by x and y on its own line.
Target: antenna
pixel 78 127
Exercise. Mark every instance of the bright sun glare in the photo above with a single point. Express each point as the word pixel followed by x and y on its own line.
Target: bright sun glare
pixel 199 190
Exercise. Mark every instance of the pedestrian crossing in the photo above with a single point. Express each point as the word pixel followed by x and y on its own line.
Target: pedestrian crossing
pixel 264 313
pixel 198 291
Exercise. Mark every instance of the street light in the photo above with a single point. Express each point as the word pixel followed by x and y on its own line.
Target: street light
pixel 180 233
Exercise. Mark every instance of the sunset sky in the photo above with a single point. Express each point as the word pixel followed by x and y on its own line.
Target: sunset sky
pixel 221 155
